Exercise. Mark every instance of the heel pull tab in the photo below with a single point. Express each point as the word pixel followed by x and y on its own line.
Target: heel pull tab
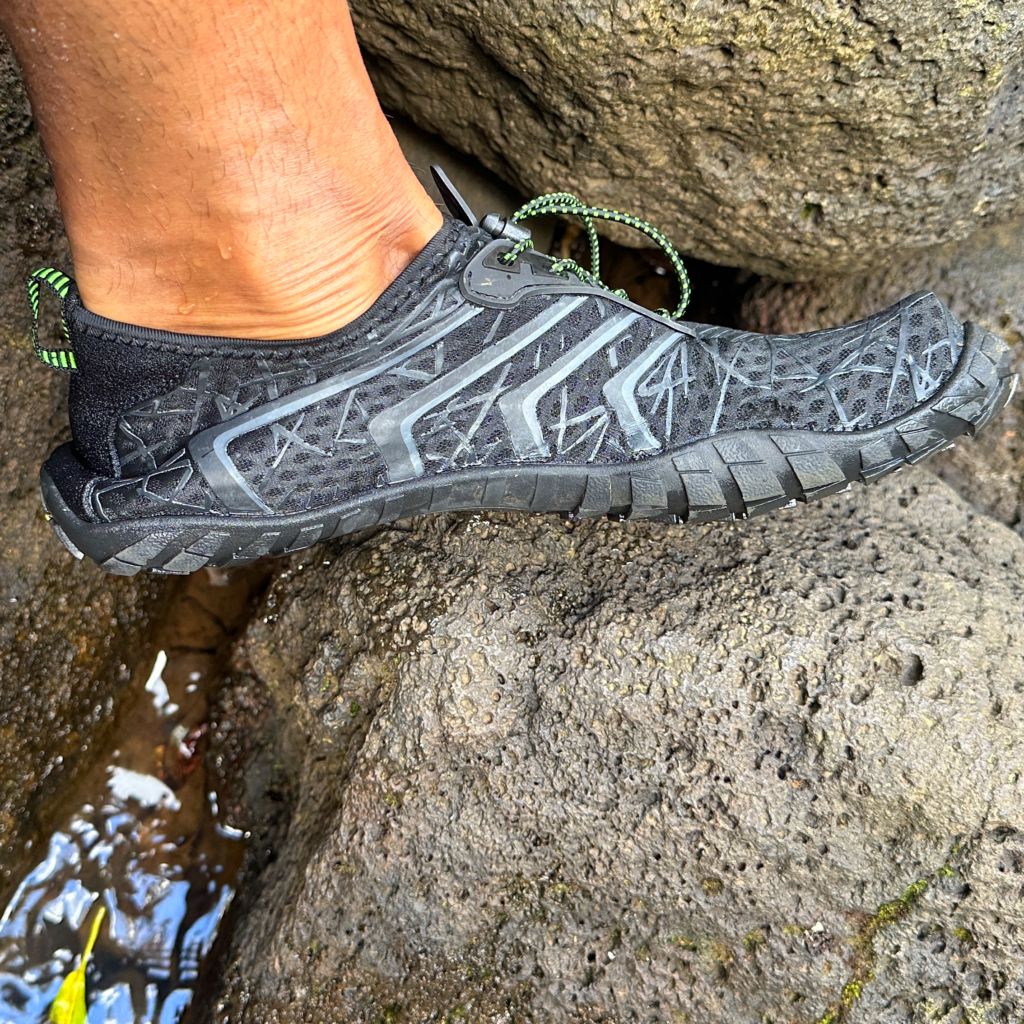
pixel 58 283
pixel 457 206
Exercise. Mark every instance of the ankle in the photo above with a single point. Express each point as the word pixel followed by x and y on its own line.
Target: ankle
pixel 290 274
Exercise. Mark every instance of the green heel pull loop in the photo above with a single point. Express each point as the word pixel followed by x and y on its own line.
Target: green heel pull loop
pixel 566 204
pixel 57 358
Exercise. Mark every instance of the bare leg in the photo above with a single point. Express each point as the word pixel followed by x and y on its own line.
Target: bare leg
pixel 223 168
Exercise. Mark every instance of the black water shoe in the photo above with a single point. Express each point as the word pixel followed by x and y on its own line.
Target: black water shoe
pixel 487 376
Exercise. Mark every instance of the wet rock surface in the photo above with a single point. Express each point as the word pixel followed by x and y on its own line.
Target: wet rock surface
pixel 792 139
pixel 68 633
pixel 981 279
pixel 759 771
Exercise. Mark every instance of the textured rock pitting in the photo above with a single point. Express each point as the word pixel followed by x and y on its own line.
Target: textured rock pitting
pixel 629 772
pixel 792 139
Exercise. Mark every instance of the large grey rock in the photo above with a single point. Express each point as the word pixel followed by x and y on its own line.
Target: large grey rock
pixel 743 772
pixel 791 138
pixel 981 279
pixel 68 633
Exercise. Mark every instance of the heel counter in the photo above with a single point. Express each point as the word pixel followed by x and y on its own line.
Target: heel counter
pixel 115 374
pixel 92 425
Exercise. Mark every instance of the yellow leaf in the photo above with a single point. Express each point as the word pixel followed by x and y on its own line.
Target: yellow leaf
pixel 69 1006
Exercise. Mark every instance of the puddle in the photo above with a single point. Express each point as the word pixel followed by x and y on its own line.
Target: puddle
pixel 143 835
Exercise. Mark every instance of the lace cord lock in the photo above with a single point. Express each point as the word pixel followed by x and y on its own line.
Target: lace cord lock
pixel 57 358
pixel 501 227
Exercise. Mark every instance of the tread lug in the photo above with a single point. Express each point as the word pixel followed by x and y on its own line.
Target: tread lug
pixel 759 487
pixel 704 496
pixel 184 562
pixel 413 502
pixel 307 537
pixel 361 518
pixel 144 551
pixel 209 544
pixel 817 472
pixel 259 547
pixel 116 567
pixel 557 493
pixel 876 459
pixel 922 442
pixel 736 449
pixel 597 498
pixel 793 444
pixel 519 488
pixel 650 495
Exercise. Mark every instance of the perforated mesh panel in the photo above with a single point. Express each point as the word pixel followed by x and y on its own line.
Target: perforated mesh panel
pixel 850 378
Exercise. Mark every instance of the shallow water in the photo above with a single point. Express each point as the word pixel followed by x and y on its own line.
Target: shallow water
pixel 142 834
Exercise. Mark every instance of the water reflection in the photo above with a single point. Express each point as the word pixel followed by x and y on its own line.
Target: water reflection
pixel 143 837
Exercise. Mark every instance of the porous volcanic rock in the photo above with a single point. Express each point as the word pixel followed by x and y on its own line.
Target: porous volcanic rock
pixel 742 772
pixel 68 633
pixel 981 279
pixel 794 138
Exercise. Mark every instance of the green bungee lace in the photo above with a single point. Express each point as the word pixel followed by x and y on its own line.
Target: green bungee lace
pixel 566 204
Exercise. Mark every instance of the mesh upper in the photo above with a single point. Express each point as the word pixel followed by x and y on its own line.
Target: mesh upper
pixel 704 380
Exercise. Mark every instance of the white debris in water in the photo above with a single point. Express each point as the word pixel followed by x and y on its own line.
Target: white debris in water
pixel 159 900
pixel 62 851
pixel 199 938
pixel 155 685
pixel 148 790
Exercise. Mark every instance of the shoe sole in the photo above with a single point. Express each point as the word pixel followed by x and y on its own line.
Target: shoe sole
pixel 738 474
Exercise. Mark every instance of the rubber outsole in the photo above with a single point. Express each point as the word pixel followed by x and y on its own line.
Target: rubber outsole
pixel 739 474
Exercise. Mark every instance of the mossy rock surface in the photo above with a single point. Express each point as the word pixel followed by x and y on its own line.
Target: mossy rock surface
pixel 793 138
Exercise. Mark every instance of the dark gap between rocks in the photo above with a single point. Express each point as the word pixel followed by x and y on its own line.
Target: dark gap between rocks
pixel 717 293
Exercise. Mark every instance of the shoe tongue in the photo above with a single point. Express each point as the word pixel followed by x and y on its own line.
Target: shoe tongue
pixel 457 206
